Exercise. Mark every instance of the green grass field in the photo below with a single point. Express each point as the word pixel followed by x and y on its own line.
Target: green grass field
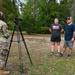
pixel 43 62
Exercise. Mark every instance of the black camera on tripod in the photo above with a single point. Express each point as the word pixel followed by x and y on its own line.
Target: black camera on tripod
pixel 17 20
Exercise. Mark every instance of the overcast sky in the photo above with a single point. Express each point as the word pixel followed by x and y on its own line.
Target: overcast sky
pixel 24 1
pixel 58 1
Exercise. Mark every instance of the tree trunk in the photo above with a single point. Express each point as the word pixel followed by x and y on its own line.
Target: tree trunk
pixel 73 9
pixel 34 8
pixel 34 11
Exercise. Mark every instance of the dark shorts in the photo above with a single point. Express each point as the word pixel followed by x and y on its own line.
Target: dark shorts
pixel 68 44
pixel 55 38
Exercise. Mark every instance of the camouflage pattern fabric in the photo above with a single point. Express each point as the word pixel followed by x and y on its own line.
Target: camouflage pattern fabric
pixel 4 35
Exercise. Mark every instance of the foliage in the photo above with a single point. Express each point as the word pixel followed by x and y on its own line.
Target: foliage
pixel 10 9
pixel 40 13
pixel 37 15
pixel 41 30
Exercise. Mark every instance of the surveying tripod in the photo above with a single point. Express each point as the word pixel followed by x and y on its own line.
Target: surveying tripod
pixel 18 29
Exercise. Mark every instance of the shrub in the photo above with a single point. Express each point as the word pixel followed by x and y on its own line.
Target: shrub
pixel 39 30
pixel 10 25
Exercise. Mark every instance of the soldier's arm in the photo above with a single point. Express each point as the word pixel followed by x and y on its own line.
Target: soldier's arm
pixel 5 31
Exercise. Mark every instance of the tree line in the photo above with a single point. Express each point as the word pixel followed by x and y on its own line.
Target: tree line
pixel 37 15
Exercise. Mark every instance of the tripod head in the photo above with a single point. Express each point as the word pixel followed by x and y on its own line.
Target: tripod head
pixel 16 21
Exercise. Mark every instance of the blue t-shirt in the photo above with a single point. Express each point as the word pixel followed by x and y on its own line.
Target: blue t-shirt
pixel 69 29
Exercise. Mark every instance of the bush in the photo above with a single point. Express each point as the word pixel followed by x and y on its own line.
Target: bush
pixel 44 30
pixel 39 30
pixel 10 25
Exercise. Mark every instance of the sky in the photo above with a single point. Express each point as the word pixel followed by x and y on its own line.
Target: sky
pixel 25 1
pixel 58 1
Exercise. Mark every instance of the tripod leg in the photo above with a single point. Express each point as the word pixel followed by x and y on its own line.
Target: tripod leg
pixel 20 54
pixel 25 45
pixel 10 46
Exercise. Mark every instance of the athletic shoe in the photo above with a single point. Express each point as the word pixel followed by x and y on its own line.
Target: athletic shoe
pixel 69 56
pixel 58 54
pixel 52 53
pixel 61 54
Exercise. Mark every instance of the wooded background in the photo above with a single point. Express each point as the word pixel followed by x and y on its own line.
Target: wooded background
pixel 37 15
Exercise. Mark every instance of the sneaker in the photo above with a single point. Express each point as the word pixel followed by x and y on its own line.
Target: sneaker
pixel 52 53
pixel 61 54
pixel 69 56
pixel 58 54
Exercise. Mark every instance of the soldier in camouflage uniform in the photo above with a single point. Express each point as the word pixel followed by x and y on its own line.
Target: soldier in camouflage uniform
pixel 4 35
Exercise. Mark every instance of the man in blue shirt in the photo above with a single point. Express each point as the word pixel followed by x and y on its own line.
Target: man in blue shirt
pixel 69 32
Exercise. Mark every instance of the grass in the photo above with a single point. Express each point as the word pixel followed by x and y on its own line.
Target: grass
pixel 43 62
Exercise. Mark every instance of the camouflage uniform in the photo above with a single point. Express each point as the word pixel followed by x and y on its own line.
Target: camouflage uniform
pixel 4 35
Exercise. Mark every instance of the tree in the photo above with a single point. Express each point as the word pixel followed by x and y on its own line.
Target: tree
pixel 73 9
pixel 1 8
pixel 39 14
pixel 10 9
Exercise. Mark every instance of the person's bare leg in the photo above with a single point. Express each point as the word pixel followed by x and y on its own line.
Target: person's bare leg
pixel 58 47
pixel 70 51
pixel 52 46
pixel 64 49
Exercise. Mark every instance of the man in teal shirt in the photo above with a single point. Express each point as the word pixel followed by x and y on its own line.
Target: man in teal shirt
pixel 69 36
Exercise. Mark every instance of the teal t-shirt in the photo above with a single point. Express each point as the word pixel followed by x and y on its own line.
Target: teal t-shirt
pixel 69 29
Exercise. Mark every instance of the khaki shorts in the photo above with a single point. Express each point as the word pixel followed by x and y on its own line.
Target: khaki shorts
pixel 68 44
